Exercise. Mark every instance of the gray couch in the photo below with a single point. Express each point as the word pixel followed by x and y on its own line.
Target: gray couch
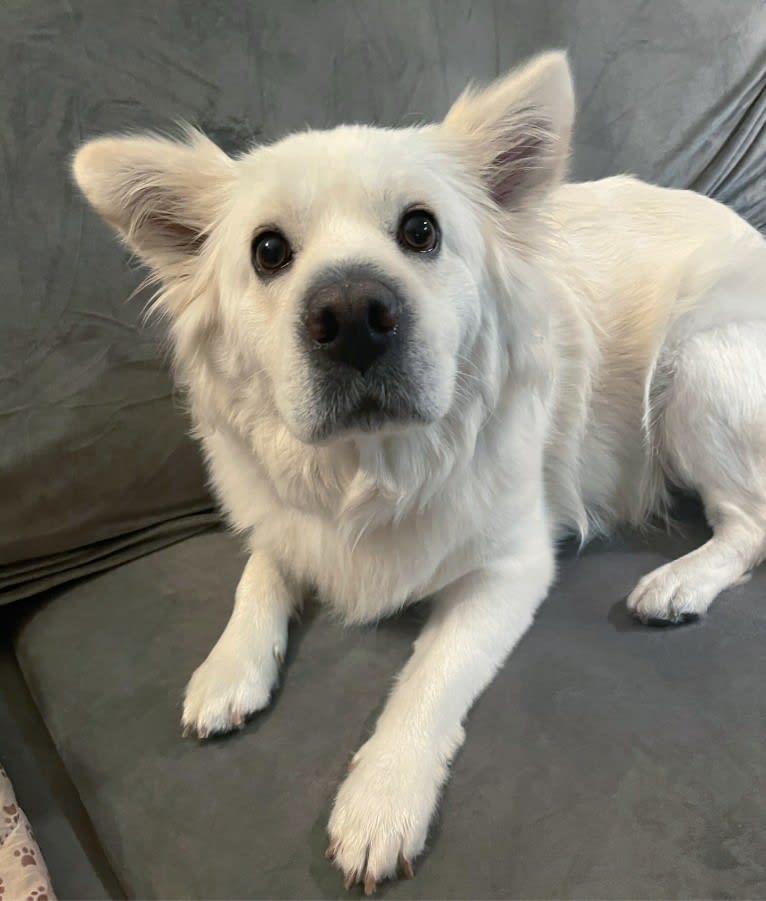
pixel 607 760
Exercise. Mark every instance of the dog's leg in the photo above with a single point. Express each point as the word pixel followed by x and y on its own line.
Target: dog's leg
pixel 714 442
pixel 382 811
pixel 240 672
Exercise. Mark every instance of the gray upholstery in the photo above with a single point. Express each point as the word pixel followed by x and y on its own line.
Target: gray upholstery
pixel 94 451
pixel 607 760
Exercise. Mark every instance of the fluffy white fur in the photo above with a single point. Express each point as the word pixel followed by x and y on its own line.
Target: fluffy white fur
pixel 582 345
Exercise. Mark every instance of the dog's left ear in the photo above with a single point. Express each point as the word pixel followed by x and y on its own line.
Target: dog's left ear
pixel 517 130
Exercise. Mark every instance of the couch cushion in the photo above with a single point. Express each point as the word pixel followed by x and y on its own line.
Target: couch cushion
pixel 606 760
pixel 44 790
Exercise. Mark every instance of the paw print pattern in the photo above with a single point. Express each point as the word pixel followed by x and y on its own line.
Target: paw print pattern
pixel 2 887
pixel 38 894
pixel 10 814
pixel 27 856
pixel 9 818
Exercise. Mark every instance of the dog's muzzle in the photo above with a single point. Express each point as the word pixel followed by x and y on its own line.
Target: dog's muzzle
pixel 355 328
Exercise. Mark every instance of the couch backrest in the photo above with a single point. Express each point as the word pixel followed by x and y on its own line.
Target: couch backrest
pixel 95 462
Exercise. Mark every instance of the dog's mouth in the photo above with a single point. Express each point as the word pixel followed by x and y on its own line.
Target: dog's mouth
pixel 371 415
pixel 378 407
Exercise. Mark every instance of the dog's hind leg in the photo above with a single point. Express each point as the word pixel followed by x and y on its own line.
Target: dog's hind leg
pixel 712 439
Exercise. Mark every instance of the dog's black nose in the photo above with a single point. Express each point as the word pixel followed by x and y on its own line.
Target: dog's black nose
pixel 353 321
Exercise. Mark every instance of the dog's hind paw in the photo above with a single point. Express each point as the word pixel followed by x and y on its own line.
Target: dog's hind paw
pixel 669 597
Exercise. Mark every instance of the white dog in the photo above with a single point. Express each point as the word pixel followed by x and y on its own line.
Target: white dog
pixel 414 358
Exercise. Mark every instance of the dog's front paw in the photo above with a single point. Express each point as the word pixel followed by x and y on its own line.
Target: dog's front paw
pixel 227 688
pixel 380 819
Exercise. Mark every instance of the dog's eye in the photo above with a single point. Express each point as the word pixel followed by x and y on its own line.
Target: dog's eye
pixel 270 252
pixel 418 231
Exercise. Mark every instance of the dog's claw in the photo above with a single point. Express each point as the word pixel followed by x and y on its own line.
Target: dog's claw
pixel 369 885
pixel 678 619
pixel 348 882
pixel 187 731
pixel 332 850
pixel 405 867
pixel 279 656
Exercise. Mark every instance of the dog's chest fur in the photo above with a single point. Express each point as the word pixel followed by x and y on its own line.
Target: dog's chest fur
pixel 371 532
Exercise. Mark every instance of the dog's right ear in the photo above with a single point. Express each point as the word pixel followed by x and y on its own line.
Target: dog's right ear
pixel 161 195
pixel 515 133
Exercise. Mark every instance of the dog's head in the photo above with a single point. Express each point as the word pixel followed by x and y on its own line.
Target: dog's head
pixel 337 277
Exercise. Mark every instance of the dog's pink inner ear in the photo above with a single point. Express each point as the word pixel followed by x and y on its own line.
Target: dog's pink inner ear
pixel 169 231
pixel 523 164
pixel 179 235
pixel 510 170
pixel 152 218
